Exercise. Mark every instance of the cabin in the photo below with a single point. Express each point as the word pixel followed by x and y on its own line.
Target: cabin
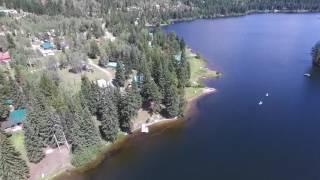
pixel 5 57
pixel 47 48
pixel 103 83
pixel 8 12
pixel 15 121
pixel 112 65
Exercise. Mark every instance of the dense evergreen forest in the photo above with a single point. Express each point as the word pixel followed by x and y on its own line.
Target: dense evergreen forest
pixel 160 10
pixel 90 115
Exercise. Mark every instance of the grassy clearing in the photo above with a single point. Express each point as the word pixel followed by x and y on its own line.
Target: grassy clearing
pixel 17 139
pixel 192 92
pixel 73 81
pixel 198 71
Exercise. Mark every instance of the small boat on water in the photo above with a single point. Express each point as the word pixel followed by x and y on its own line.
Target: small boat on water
pixel 260 103
pixel 307 74
pixel 267 94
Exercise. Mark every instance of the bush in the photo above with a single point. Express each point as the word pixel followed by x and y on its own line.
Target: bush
pixel 198 56
pixel 81 158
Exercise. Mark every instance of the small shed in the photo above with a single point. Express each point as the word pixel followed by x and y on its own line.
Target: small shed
pixel 112 64
pixel 102 83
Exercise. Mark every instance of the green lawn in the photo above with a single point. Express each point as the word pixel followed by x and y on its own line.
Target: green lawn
pixel 17 140
pixel 72 81
pixel 198 71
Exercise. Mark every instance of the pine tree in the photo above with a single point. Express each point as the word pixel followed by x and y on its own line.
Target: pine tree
pixel 182 101
pixel 10 41
pixel 183 71
pixel 93 50
pixel 48 87
pixel 83 133
pixel 129 106
pixel 120 75
pixel 53 128
pixel 16 94
pixel 43 117
pixel 33 142
pixel 4 111
pixel 150 93
pixel 109 119
pixel 85 92
pixel 12 166
pixel 171 101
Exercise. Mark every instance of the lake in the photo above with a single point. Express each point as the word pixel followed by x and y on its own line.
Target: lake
pixel 228 135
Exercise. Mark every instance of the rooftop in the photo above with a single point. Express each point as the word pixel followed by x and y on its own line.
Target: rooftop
pixel 5 56
pixel 15 117
pixel 47 45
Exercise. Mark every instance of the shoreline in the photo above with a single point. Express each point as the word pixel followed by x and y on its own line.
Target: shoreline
pixel 164 121
pixel 219 16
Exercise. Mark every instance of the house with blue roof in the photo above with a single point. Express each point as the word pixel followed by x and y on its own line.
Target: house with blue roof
pixel 47 45
pixel 15 120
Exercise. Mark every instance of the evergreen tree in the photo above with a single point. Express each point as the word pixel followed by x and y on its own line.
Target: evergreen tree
pixel 10 40
pixel 16 94
pixel 183 71
pixel 93 50
pixel 83 132
pixel 42 118
pixel 4 111
pixel 97 29
pixel 12 166
pixel 33 142
pixel 182 101
pixel 53 127
pixel 171 101
pixel 120 75
pixel 182 45
pixel 48 87
pixel 109 119
pixel 129 106
pixel 86 93
pixel 150 93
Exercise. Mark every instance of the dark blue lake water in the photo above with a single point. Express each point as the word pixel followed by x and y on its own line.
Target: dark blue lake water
pixel 229 136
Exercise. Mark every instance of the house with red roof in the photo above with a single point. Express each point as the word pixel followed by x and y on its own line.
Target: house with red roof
pixel 4 57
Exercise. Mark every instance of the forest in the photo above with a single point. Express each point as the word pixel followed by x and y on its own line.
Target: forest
pixel 89 116
pixel 160 10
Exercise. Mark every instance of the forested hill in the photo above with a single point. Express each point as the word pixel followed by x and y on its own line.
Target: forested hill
pixel 158 10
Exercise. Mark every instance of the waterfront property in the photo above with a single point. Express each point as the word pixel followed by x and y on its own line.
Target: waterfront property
pixel 227 135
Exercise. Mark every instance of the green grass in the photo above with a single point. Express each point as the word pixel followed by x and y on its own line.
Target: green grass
pixel 94 153
pixel 192 92
pixel 72 81
pixel 88 155
pixel 198 71
pixel 17 140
